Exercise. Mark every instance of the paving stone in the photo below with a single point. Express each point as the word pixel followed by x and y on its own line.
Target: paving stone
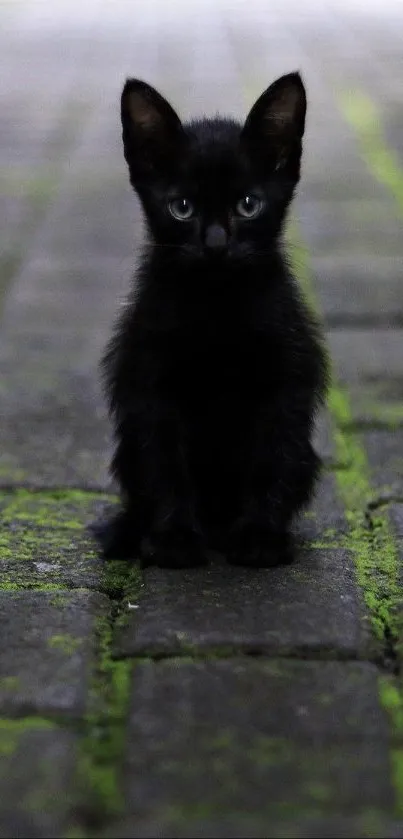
pixel 396 514
pixel 384 451
pixel 312 605
pixel 84 225
pixel 58 318
pixel 35 556
pixel 36 778
pixel 362 356
pixel 392 122
pixel 60 443
pixel 299 825
pixel 323 439
pixel 46 652
pixel 57 321
pixel 355 289
pixel 262 740
pixel 351 227
pixel 324 520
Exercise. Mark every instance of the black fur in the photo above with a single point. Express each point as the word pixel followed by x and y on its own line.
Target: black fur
pixel 216 368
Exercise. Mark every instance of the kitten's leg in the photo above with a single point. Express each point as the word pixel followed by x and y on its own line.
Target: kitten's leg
pixel 280 475
pixel 151 465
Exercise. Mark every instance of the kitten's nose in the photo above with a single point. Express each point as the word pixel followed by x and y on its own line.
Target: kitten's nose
pixel 216 239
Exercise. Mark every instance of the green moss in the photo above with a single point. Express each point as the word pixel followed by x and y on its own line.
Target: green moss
pixel 27 585
pixel 100 764
pixel 11 731
pixel 9 683
pixel 115 577
pixel 103 747
pixel 6 470
pixel 392 701
pixel 59 599
pixel 65 643
pixel 396 756
pixel 319 792
pixel 361 113
pixel 67 509
pixel 323 544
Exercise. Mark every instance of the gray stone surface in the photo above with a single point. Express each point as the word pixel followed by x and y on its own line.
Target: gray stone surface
pixel 37 764
pixel 384 451
pixel 38 557
pixel 245 825
pixel 307 608
pixel 355 290
pixel 353 226
pixel 47 649
pixel 396 514
pixel 358 357
pixel 252 740
pixel 323 522
pixel 67 445
pixel 323 439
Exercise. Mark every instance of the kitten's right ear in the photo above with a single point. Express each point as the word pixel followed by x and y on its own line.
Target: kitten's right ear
pixel 275 125
pixel 152 132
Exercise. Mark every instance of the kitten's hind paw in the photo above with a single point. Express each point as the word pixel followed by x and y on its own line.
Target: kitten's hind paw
pixel 117 536
pixel 174 549
pixel 260 548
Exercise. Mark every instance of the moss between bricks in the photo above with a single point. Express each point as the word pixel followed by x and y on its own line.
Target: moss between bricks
pixel 102 749
pixel 374 551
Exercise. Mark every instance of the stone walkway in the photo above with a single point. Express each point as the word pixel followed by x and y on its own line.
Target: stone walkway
pixel 214 702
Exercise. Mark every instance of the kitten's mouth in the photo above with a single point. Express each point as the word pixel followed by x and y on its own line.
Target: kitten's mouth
pixel 216 255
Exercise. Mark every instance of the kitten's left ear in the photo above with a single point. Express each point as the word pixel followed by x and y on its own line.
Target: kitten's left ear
pixel 152 131
pixel 275 125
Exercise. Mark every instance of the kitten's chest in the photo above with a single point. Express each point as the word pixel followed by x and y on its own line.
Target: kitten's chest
pixel 216 366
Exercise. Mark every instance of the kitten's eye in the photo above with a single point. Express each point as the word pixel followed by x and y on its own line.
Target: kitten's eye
pixel 249 206
pixel 181 209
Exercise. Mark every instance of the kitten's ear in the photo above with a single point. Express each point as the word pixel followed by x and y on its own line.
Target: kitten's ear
pixel 152 132
pixel 275 125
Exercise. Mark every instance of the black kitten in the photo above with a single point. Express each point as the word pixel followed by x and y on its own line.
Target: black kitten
pixel 216 368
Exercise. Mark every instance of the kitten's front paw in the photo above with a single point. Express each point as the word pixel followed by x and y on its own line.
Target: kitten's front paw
pixel 174 549
pixel 256 547
pixel 118 537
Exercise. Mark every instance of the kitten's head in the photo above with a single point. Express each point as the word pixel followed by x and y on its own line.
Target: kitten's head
pixel 214 188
